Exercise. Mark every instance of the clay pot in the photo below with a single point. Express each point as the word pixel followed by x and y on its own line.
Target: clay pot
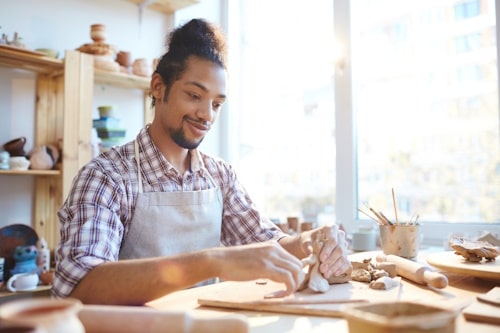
pixel 15 147
pixel 140 67
pixel 52 315
pixel 98 33
pixel 124 58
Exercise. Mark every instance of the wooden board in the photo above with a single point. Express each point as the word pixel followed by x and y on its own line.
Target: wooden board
pixel 451 262
pixel 485 312
pixel 250 296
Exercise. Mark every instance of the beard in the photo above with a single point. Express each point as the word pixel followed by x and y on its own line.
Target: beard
pixel 180 139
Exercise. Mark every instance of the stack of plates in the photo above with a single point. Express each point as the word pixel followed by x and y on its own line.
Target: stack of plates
pixel 108 131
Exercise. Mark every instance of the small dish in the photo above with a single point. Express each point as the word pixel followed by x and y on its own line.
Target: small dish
pixel 49 52
pixel 106 122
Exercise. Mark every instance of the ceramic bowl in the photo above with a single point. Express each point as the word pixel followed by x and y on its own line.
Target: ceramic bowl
pixel 49 52
pixel 19 163
pixel 106 111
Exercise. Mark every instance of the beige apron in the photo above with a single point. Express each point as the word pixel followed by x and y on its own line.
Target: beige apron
pixel 169 223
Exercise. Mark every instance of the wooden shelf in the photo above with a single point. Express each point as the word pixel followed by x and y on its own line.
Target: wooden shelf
pixel 121 80
pixel 29 60
pixel 165 6
pixel 31 172
pixel 40 291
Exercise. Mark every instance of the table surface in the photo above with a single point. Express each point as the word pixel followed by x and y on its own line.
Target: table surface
pixel 461 291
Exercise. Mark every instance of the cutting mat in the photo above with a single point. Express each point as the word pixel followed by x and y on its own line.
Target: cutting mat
pixel 249 295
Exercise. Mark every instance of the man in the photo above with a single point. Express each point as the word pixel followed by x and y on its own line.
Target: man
pixel 148 218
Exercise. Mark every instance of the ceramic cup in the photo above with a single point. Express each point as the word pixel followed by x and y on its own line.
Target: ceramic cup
pixel 402 239
pixel 293 223
pixel 50 314
pixel 15 147
pixel 140 67
pixel 365 239
pixel 23 282
pixel 19 163
pixel 98 33
pixel 305 226
pixel 4 160
pixel 124 58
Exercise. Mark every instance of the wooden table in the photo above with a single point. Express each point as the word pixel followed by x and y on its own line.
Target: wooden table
pixel 461 291
pixel 40 291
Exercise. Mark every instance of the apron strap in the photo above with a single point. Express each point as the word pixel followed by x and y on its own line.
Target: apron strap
pixel 136 151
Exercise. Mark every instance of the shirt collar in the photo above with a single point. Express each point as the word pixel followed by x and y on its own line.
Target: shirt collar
pixel 151 151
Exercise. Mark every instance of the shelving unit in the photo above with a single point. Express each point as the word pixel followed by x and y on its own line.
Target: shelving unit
pixel 165 6
pixel 64 95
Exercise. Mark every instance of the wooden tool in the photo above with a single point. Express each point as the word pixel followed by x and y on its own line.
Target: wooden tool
pixel 133 319
pixel 414 271
pixel 486 308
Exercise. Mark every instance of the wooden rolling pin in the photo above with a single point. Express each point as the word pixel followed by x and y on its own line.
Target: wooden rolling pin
pixel 136 319
pixel 414 271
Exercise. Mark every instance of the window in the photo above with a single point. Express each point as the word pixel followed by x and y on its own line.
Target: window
pixel 426 105
pixel 286 106
pixel 410 104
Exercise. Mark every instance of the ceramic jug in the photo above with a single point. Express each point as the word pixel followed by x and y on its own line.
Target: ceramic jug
pixel 15 147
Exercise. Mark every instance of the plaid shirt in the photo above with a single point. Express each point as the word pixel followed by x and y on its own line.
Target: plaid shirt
pixel 97 213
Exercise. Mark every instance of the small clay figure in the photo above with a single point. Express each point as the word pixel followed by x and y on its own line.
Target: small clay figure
pixel 25 259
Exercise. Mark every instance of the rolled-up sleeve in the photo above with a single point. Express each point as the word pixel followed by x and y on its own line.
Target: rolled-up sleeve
pixel 90 228
pixel 242 222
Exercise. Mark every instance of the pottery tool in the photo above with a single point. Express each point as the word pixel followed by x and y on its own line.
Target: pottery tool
pixel 394 203
pixel 110 319
pixel 378 222
pixel 414 271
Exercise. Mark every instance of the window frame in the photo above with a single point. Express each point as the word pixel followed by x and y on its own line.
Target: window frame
pixel 434 233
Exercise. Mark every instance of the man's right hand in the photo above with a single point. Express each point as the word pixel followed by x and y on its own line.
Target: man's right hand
pixel 266 260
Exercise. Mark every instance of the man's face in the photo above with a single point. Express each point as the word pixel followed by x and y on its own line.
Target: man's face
pixel 193 103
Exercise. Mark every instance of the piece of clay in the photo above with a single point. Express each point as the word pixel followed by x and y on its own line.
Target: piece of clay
pixel 384 283
pixel 317 282
pixel 314 279
pixel 474 251
pixel 378 273
pixel 341 278
pixel 389 267
pixel 361 275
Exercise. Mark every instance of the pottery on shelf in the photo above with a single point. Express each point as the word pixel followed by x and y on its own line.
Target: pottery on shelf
pixel 140 67
pixel 98 33
pixel 15 147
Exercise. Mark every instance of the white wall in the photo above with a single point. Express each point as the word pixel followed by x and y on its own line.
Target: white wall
pixel 62 25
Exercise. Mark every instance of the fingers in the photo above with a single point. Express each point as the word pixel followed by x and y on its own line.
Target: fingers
pixel 266 260
pixel 286 269
pixel 333 255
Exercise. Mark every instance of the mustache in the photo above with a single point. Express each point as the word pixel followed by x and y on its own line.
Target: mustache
pixel 204 123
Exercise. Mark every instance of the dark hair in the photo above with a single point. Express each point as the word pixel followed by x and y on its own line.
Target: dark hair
pixel 197 38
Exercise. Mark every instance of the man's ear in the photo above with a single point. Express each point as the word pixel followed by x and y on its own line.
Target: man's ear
pixel 157 87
